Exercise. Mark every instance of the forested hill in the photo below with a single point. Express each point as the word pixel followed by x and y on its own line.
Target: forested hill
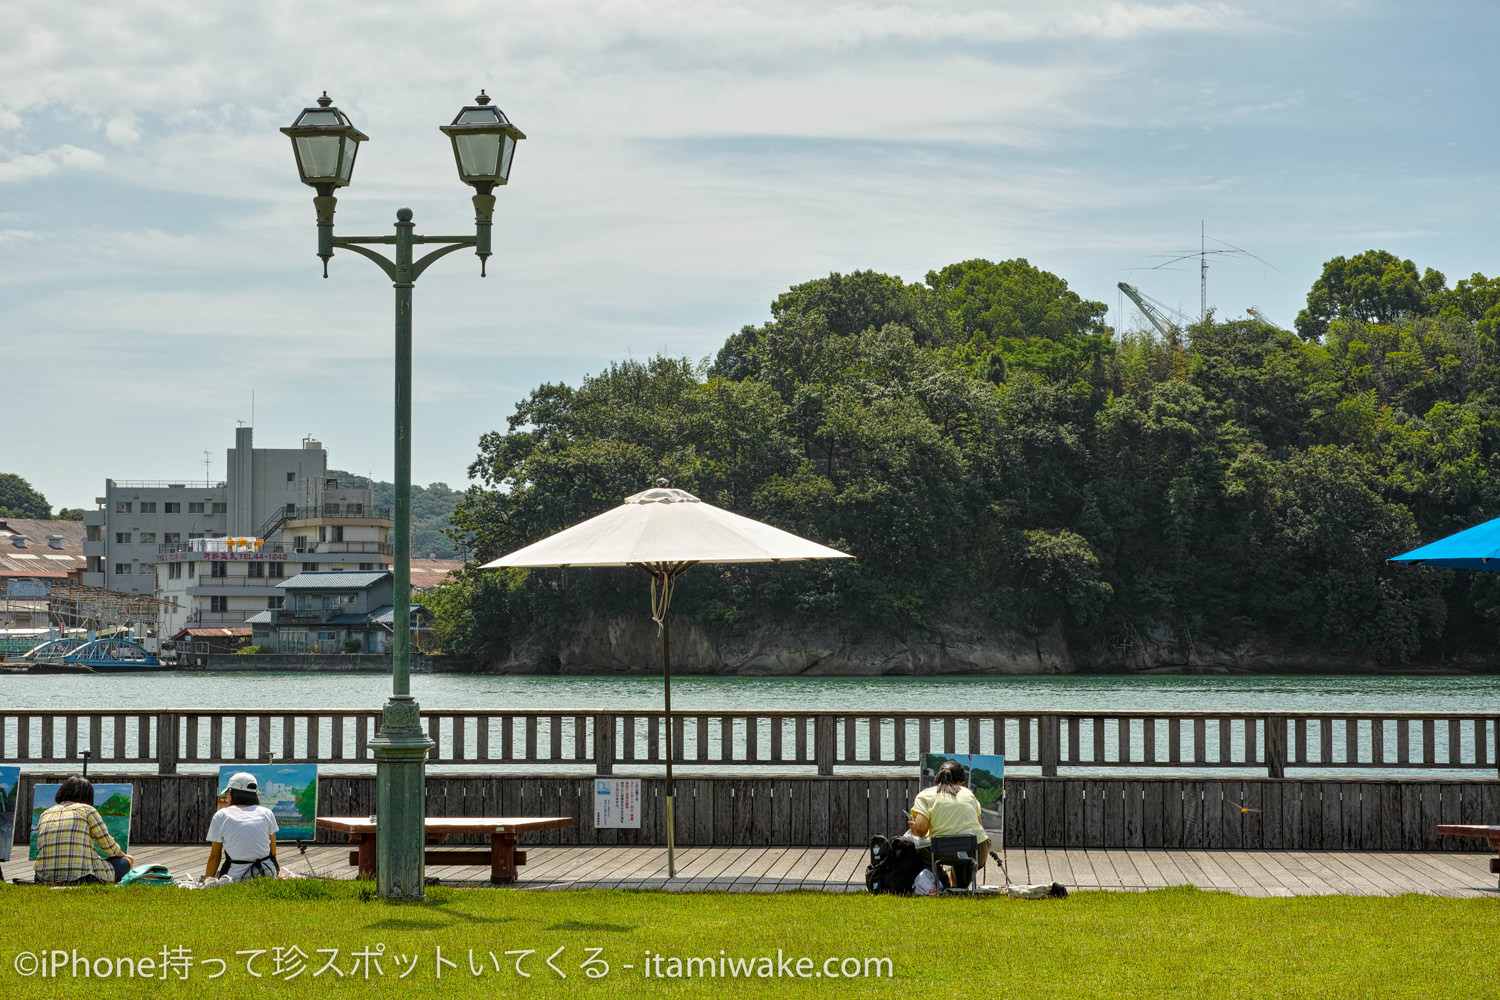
pixel 1013 475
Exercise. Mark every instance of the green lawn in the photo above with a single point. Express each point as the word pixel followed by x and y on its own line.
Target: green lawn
pixel 1175 942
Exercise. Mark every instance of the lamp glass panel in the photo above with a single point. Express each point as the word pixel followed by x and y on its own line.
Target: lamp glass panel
pixel 311 117
pixel 319 156
pixel 506 153
pixel 347 166
pixel 479 116
pixel 477 154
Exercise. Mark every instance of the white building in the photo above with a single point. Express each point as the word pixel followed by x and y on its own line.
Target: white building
pixel 226 581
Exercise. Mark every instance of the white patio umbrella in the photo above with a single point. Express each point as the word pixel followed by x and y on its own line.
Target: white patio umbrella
pixel 664 531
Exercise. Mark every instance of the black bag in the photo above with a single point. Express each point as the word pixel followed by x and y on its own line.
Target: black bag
pixel 894 865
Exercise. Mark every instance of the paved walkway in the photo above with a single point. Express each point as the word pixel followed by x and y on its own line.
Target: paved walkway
pixel 836 869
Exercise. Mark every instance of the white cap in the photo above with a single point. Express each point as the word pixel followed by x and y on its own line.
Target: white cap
pixel 242 781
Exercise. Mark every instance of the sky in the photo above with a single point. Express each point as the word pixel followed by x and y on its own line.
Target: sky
pixel 686 161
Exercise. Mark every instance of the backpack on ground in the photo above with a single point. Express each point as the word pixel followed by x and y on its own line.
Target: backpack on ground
pixel 894 865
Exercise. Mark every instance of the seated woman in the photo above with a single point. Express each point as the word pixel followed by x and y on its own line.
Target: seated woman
pixel 948 809
pixel 66 835
pixel 243 834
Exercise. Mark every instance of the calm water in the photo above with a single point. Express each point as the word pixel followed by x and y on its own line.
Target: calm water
pixel 1084 693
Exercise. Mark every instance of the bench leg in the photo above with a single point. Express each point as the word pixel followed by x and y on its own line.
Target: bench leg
pixel 365 855
pixel 502 858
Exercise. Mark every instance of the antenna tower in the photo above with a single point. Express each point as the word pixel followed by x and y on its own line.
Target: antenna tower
pixel 1203 253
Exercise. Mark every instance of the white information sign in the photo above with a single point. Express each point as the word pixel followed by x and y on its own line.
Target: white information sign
pixel 617 803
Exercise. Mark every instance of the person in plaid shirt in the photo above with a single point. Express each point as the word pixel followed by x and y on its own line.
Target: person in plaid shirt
pixel 66 835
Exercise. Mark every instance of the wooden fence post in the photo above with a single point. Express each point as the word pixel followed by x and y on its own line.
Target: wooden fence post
pixel 604 743
pixel 166 742
pixel 1275 746
pixel 1049 743
pixel 825 744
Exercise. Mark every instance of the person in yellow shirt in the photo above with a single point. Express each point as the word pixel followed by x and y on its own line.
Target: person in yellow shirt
pixel 948 809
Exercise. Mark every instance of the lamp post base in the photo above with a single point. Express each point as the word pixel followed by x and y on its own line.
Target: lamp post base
pixel 400 753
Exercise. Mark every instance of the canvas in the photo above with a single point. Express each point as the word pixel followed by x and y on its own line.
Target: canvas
pixel 10 791
pixel 290 791
pixel 986 781
pixel 112 801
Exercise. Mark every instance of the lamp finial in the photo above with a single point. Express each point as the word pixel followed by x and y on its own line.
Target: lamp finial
pixel 325 100
pixel 483 98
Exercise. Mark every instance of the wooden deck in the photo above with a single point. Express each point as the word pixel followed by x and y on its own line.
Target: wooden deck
pixel 834 869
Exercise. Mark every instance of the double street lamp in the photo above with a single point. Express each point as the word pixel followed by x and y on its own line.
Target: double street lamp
pixel 326 143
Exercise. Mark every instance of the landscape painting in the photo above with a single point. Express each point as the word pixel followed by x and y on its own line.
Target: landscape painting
pixel 112 801
pixel 986 781
pixel 10 791
pixel 290 791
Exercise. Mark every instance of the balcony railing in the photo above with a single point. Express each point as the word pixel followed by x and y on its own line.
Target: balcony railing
pixel 370 548
pixel 203 583
pixel 343 511
pixel 160 484
pixel 225 619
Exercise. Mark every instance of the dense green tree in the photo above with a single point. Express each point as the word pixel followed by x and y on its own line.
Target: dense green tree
pixel 19 499
pixel 68 514
pixel 1373 287
pixel 990 453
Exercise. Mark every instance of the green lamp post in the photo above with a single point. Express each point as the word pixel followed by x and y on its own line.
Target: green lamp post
pixel 326 143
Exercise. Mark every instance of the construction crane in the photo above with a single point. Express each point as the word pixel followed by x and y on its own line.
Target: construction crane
pixel 1255 312
pixel 1155 312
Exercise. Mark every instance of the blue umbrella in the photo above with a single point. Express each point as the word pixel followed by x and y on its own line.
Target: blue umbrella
pixel 1475 548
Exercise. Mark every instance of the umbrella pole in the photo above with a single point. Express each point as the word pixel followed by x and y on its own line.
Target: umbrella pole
pixel 666 674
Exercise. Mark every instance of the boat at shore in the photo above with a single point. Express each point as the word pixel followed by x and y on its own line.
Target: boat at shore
pixel 73 655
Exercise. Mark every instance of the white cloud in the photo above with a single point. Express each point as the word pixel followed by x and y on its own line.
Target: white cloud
pixel 29 166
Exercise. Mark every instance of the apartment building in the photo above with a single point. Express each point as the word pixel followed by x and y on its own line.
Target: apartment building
pixel 136 518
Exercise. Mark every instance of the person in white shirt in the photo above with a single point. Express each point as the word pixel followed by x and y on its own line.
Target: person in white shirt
pixel 242 835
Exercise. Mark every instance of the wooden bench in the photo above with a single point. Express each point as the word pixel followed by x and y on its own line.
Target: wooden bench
pixel 502 857
pixel 1489 833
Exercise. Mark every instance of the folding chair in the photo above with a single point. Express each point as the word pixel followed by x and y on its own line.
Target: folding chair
pixel 959 852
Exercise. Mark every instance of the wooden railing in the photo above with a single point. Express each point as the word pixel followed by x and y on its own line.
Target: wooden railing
pixel 1083 742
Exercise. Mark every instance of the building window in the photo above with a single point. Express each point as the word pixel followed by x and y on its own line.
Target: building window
pixel 326 636
pixel 299 542
pixel 148 538
pixel 122 569
pixel 148 506
pixel 310 567
pixel 356 510
pixel 291 477
pixel 221 508
pixel 275 603
pixel 194 534
pixel 192 568
pixel 172 537
pixel 122 506
pixel 219 604
pixel 122 538
pixel 195 508
pixel 322 532
pixel 256 569
pixel 338 532
pixel 218 570
pixel 367 566
pixel 172 507
pixel 278 571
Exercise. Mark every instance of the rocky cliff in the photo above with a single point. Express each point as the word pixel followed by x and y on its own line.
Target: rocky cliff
pixel 629 644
